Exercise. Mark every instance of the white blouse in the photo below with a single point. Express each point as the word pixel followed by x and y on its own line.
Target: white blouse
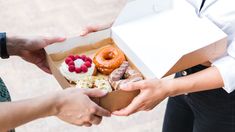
pixel 222 13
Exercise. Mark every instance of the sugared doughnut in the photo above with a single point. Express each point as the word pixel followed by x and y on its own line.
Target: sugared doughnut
pixel 94 82
pixel 124 74
pixel 108 59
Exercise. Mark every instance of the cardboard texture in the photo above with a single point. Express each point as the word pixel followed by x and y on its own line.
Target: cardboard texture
pixel 156 42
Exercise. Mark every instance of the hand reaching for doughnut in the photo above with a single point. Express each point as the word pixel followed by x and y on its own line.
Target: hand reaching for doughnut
pixel 94 28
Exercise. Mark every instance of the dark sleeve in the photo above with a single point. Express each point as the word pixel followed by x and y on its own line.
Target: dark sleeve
pixel 4 94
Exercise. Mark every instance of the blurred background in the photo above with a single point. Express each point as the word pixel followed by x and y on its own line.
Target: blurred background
pixel 61 18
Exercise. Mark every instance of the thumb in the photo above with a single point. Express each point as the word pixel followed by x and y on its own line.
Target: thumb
pixel 84 32
pixel 131 86
pixel 89 29
pixel 94 28
pixel 95 92
pixel 51 40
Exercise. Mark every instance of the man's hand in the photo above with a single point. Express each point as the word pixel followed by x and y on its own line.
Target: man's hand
pixel 94 28
pixel 72 105
pixel 75 107
pixel 32 49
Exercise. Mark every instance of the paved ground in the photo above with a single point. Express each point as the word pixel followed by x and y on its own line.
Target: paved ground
pixel 63 18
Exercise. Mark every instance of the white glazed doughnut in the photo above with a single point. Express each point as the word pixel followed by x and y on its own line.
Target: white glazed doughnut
pixel 77 67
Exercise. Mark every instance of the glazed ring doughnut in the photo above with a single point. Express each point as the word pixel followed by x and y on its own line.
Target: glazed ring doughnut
pixel 108 59
pixel 105 71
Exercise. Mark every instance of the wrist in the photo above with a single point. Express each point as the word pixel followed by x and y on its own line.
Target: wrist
pixel 15 45
pixel 178 86
pixel 169 87
pixel 51 103
pixel 59 101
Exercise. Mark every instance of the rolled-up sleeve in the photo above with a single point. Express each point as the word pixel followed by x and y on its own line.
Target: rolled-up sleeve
pixel 226 67
pixel 225 20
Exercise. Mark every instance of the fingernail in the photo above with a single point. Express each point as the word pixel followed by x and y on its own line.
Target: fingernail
pixel 122 86
pixel 83 33
pixel 104 91
pixel 62 38
pixel 116 113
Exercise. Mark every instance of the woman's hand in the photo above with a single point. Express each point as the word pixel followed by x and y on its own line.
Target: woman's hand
pixel 32 49
pixel 152 92
pixel 75 107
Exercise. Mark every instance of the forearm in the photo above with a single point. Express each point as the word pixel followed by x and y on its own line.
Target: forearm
pixel 17 113
pixel 207 79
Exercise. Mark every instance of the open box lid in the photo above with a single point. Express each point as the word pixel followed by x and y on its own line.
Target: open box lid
pixel 146 33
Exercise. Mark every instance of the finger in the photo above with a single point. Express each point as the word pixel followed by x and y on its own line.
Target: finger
pixel 95 92
pixel 94 28
pixel 144 108
pixel 69 120
pixel 152 106
pixel 99 111
pixel 46 69
pixel 87 124
pixel 44 66
pixel 149 107
pixel 95 119
pixel 131 108
pixel 89 29
pixel 84 32
pixel 52 40
pixel 132 86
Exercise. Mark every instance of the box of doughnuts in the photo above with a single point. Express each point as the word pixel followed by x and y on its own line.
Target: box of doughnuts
pixel 141 44
pixel 95 65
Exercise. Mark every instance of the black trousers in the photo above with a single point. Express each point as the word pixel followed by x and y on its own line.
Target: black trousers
pixel 208 111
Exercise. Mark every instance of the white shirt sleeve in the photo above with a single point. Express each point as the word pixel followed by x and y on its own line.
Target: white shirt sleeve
pixel 226 67
pixel 221 12
pixel 226 64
